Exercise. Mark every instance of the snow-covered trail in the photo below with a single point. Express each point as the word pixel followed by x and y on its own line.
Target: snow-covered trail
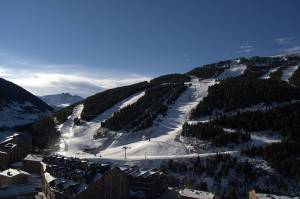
pixel 81 137
pixel 288 72
pixel 267 75
pixel 66 129
pixel 160 138
pixel 262 139
pixel 130 100
pixel 234 71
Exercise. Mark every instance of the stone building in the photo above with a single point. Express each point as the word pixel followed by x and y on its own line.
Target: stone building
pixel 72 178
pixel 66 178
pixel 11 177
pixel 149 183
pixel 254 195
pixel 14 148
pixel 32 163
pixel 196 194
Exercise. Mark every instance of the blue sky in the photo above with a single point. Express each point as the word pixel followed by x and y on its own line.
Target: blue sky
pixel 86 46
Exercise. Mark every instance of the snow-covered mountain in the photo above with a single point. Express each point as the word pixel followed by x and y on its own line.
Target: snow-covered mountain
pixel 186 122
pixel 264 72
pixel 61 100
pixel 18 106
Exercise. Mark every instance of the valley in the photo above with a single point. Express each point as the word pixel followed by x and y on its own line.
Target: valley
pixel 230 113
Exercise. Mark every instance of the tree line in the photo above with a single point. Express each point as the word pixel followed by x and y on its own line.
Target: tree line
pixel 141 114
pixel 241 92
pixel 216 134
pixel 283 157
pixel 285 120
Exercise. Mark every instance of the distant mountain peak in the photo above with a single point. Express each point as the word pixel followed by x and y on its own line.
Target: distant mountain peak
pixel 61 100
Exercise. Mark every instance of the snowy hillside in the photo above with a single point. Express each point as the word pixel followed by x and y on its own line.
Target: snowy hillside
pixel 61 100
pixel 235 70
pixel 18 106
pixel 229 121
pixel 158 141
pixel 15 113
pixel 162 133
pixel 288 72
pixel 267 75
pixel 162 139
pixel 77 138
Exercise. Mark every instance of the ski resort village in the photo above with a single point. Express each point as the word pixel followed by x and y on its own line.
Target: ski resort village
pixel 223 130
pixel 149 99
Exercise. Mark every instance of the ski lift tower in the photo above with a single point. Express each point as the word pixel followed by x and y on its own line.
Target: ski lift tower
pixel 125 150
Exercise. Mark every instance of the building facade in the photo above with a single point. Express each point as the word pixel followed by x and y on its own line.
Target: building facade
pixel 32 164
pixel 14 148
pixel 72 178
pixel 151 183
pixel 11 177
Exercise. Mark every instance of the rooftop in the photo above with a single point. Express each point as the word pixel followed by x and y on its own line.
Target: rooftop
pixel 137 172
pixel 33 157
pixel 7 136
pixel 271 196
pixel 196 194
pixel 13 172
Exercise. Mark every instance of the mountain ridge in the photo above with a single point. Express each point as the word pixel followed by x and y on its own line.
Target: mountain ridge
pixel 18 106
pixel 61 100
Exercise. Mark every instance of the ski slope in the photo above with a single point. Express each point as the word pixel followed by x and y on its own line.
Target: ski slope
pixel 234 71
pixel 267 75
pixel 159 141
pixel 288 72
pixel 66 129
pixel 78 138
pixel 128 101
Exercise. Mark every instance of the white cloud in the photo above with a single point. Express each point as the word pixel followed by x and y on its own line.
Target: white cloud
pixel 288 45
pixel 246 48
pixel 44 79
pixel 286 40
pixel 291 50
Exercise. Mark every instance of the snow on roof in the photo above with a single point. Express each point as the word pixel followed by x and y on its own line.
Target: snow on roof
pixel 7 136
pixel 49 177
pixel 62 185
pixel 138 172
pixel 196 194
pixel 13 172
pixel 271 196
pixel 33 157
